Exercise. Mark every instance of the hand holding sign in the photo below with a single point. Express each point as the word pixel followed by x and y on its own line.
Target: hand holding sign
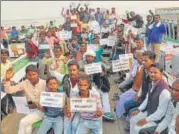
pixel 104 42
pixel 83 105
pixel 99 113
pixel 52 99
pixel 40 107
pixel 120 65
pixel 67 112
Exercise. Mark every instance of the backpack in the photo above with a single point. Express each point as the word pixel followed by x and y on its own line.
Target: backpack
pixel 104 84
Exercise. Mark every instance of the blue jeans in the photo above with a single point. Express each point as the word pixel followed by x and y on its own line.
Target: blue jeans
pixel 131 106
pixel 70 126
pixel 95 126
pixel 49 122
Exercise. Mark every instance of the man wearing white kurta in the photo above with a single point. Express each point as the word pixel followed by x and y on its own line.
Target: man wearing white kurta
pixel 170 117
pixel 154 107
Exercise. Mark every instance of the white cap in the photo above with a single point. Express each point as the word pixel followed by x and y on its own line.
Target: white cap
pixel 90 53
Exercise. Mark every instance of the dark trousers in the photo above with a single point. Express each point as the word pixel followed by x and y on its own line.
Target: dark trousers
pixel 151 130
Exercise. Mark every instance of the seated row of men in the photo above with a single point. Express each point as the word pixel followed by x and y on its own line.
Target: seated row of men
pixel 150 105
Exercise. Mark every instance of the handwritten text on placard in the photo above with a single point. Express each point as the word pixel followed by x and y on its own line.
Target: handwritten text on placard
pixel 65 35
pixel 93 68
pixel 120 65
pixel 93 47
pixel 111 42
pixel 104 41
pixel 52 99
pixel 128 57
pixel 83 104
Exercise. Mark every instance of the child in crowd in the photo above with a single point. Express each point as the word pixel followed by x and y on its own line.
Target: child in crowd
pixel 47 60
pixel 60 61
pixel 53 116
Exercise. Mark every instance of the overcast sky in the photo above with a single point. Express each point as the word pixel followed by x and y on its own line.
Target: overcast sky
pixel 13 10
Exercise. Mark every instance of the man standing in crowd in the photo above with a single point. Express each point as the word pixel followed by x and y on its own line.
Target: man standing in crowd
pixel 150 20
pixel 157 30
pixel 99 17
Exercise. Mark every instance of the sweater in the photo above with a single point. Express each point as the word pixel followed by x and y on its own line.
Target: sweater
pixel 156 32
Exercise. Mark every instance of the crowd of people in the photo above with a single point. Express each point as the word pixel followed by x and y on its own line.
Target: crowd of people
pixel 149 104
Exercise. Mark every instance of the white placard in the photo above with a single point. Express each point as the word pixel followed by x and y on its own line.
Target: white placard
pixel 92 47
pixel 73 25
pixel 52 99
pixel 21 105
pixel 111 42
pixel 65 35
pixel 104 41
pixel 16 49
pixel 120 65
pixel 83 104
pixel 128 57
pixel 93 68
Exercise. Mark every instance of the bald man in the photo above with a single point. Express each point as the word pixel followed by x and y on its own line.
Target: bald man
pixel 171 120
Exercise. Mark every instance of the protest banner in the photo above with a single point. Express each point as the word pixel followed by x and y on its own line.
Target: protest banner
pixel 131 59
pixel 93 68
pixel 65 35
pixel 128 57
pixel 111 42
pixel 103 41
pixel 16 49
pixel 52 99
pixel 92 47
pixel 120 65
pixel 83 104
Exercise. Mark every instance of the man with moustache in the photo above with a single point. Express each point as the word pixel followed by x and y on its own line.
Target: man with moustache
pixel 167 125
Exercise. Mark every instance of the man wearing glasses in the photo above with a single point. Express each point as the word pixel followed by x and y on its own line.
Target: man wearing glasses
pixel 169 124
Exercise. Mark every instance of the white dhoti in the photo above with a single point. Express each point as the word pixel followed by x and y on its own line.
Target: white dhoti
pixel 134 129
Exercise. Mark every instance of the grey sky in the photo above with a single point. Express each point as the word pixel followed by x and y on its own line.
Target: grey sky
pixel 13 10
